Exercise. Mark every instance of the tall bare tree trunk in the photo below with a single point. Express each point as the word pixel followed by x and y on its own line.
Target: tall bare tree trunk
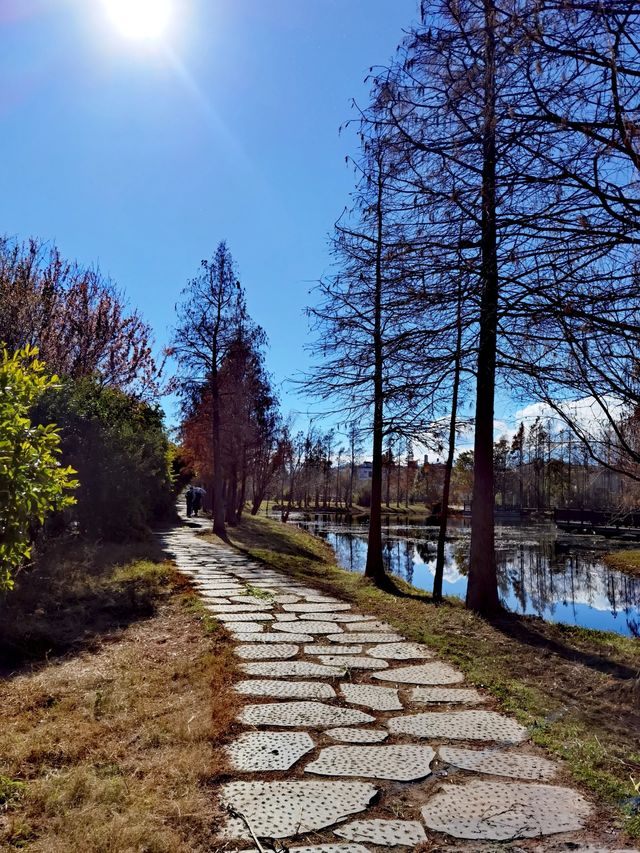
pixel 482 588
pixel 243 486
pixel 352 471
pixel 374 568
pixel 218 499
pixel 444 511
pixel 388 481
pixel 232 497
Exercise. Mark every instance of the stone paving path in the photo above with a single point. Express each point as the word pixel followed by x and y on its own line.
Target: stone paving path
pixel 356 740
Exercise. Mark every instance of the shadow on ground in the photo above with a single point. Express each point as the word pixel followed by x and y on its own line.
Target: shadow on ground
pixel 525 631
pixel 75 594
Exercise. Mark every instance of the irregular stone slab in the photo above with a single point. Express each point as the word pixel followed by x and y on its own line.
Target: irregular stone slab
pixel 252 599
pixel 386 833
pixel 273 637
pixel 315 607
pixel 308 627
pixel 400 651
pixel 316 597
pixel 285 689
pixel 460 725
pixel 315 715
pixel 293 669
pixel 403 763
pixel 368 625
pixel 347 735
pixel 236 608
pixel 516 765
pixel 287 617
pixel 423 673
pixel 376 698
pixel 330 848
pixel 243 617
pixel 242 628
pixel 215 593
pixel 562 848
pixel 461 695
pixel 332 650
pixel 353 661
pixel 281 809
pixel 336 617
pixel 217 578
pixel 266 651
pixel 364 638
pixel 256 752
pixel 498 811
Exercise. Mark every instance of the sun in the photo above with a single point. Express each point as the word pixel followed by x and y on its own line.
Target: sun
pixel 140 19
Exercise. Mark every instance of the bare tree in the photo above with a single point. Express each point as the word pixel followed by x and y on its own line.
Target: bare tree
pixel 76 317
pixel 209 315
pixel 519 153
pixel 362 327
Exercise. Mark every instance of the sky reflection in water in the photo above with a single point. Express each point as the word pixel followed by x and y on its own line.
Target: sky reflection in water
pixel 539 571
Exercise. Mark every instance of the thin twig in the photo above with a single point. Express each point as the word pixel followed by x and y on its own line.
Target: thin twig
pixel 235 813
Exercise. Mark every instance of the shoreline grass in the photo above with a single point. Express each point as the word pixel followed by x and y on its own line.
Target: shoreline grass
pixel 576 689
pixel 625 561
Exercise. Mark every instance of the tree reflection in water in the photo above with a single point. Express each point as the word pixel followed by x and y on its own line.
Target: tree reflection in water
pixel 538 573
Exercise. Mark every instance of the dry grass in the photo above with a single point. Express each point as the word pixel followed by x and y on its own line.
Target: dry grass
pixel 116 747
pixel 577 690
pixel 624 561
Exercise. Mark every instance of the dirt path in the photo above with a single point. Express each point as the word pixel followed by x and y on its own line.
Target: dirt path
pixel 354 739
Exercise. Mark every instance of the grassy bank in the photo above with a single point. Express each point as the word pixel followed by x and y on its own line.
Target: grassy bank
pixel 624 561
pixel 115 700
pixel 418 510
pixel 577 690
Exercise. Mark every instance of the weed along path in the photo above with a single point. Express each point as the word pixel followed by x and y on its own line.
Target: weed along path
pixel 352 739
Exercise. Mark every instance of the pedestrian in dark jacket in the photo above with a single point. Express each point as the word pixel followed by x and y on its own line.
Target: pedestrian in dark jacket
pixel 190 497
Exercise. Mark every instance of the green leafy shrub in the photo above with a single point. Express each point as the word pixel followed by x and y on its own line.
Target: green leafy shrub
pixel 118 445
pixel 32 481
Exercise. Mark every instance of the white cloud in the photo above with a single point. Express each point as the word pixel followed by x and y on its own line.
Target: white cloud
pixel 586 412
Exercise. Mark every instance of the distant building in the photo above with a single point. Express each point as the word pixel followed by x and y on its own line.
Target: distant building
pixel 363 471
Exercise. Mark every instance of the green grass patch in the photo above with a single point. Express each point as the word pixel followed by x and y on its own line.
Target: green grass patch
pixel 10 789
pixel 195 606
pixel 257 592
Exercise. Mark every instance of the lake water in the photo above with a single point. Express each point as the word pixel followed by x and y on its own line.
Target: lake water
pixel 540 571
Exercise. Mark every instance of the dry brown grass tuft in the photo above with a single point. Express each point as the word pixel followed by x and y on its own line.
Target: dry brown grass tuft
pixel 119 746
pixel 627 561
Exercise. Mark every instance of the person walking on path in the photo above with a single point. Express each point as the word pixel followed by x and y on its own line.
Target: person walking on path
pixel 198 496
pixel 190 498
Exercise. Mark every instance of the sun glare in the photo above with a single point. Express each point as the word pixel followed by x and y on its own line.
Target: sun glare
pixel 140 19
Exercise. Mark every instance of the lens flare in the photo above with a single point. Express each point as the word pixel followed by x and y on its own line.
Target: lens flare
pixel 140 19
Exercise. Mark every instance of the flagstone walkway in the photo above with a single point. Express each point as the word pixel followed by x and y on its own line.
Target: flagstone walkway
pixel 357 740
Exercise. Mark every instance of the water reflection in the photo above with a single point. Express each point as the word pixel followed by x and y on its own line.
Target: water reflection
pixel 539 572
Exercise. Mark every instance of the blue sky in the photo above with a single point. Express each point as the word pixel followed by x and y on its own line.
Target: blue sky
pixel 140 157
